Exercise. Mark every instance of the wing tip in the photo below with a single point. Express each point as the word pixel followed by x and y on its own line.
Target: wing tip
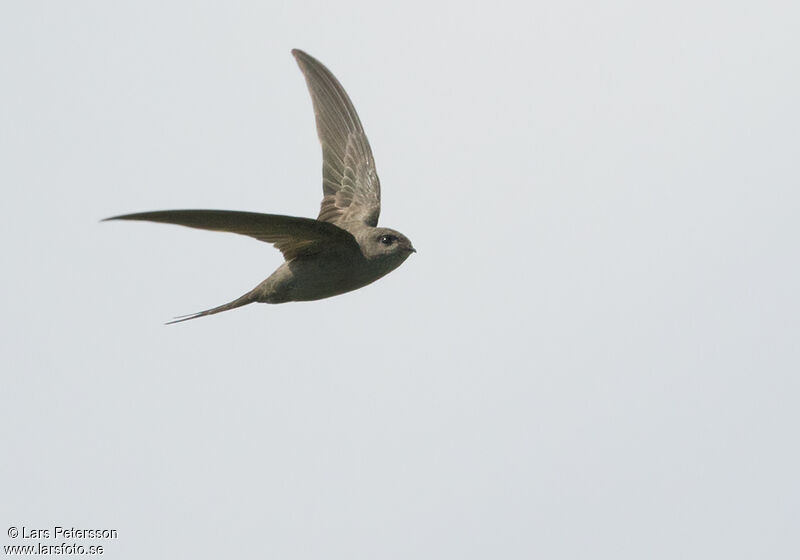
pixel 307 62
pixel 299 53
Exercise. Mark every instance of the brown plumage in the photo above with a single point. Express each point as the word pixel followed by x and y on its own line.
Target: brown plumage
pixel 343 249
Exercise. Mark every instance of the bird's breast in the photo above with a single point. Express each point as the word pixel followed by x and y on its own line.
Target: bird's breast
pixel 322 276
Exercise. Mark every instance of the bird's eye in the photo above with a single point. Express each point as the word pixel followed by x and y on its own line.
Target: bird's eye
pixel 387 239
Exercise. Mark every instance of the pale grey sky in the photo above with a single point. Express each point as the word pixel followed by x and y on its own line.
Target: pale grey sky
pixel 594 354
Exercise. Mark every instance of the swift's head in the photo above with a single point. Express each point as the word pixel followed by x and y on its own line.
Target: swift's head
pixel 384 244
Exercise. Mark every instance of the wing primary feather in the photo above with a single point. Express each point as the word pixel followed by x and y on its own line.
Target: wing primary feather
pixel 291 235
pixel 350 184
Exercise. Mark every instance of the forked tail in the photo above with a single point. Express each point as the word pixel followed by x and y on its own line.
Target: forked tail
pixel 238 302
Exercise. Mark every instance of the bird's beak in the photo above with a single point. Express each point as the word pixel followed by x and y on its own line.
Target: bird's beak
pixel 412 250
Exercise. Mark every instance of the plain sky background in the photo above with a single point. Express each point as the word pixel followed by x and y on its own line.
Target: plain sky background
pixel 594 354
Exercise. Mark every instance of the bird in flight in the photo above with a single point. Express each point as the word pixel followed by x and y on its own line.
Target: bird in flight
pixel 343 249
